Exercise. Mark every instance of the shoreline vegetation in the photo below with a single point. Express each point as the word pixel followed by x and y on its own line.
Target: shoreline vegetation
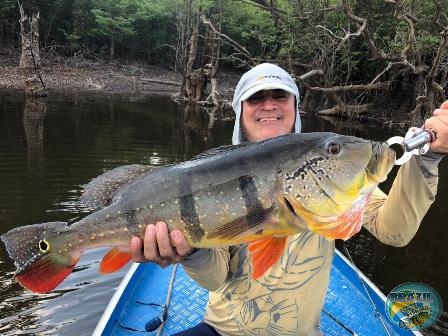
pixel 384 62
pixel 71 75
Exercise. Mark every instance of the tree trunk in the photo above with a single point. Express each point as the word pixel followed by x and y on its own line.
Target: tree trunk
pixel 112 46
pixel 30 65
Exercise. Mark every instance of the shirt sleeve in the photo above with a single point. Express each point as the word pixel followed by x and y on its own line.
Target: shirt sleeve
pixel 208 267
pixel 395 218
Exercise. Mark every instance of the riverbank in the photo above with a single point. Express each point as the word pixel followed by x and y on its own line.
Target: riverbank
pixel 111 78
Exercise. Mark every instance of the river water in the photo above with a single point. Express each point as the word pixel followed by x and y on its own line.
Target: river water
pixel 50 148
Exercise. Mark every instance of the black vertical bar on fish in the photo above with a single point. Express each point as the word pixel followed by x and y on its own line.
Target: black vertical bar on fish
pixel 249 193
pixel 188 211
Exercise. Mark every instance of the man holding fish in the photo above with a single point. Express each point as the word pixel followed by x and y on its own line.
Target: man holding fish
pixel 254 223
pixel 286 296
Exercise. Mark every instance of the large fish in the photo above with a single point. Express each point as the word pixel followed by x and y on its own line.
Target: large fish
pixel 255 193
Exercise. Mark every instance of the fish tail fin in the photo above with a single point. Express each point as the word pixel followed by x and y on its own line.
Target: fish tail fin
pixel 114 260
pixel 265 253
pixel 40 265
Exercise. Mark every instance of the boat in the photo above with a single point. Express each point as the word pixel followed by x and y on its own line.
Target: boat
pixel 152 300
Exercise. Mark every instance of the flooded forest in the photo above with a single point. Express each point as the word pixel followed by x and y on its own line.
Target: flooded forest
pixel 368 60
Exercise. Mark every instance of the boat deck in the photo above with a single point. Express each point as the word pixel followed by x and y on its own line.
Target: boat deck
pixel 347 309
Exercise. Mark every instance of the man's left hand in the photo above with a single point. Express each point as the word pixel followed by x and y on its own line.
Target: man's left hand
pixel 438 124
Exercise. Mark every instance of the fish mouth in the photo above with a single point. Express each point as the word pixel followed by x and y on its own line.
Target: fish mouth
pixel 381 162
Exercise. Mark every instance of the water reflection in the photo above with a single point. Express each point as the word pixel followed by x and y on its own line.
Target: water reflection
pixel 46 156
pixel 33 123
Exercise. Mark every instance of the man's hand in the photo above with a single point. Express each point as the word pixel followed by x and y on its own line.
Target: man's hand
pixel 160 246
pixel 438 124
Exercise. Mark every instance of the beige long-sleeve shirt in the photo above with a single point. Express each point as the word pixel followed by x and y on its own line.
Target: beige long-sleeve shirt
pixel 288 298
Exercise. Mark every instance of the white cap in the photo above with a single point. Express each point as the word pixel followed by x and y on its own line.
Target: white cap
pixel 265 76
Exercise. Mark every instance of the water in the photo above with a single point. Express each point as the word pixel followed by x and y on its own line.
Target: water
pixel 48 149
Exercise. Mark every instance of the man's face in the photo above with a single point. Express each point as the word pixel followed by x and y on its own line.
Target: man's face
pixel 267 114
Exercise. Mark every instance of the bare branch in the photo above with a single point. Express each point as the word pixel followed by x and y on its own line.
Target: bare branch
pixel 227 39
pixel 363 30
pixel 375 86
pixel 310 74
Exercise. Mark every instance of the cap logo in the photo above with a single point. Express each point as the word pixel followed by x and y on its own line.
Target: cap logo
pixel 267 77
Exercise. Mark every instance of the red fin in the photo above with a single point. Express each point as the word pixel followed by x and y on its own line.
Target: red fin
pixel 265 253
pixel 44 275
pixel 114 260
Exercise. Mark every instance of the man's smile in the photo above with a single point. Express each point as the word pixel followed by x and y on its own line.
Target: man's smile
pixel 265 119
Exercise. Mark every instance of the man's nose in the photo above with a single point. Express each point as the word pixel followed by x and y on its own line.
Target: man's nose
pixel 268 102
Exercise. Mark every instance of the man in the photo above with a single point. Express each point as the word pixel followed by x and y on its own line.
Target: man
pixel 288 298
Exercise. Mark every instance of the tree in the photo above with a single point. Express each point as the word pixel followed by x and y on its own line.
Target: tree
pixel 30 65
pixel 115 20
pixel 360 48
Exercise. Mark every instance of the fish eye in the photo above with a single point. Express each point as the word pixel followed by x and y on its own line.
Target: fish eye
pixel 333 148
pixel 44 246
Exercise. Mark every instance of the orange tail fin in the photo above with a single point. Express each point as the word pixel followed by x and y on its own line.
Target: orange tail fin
pixel 40 264
pixel 265 253
pixel 44 275
pixel 114 260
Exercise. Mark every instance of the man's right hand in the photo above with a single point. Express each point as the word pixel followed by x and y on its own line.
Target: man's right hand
pixel 160 246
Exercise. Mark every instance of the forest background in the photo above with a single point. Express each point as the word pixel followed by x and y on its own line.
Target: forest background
pixel 353 58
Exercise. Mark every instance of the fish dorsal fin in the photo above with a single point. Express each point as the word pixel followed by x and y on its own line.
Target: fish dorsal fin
pixel 219 150
pixel 100 191
pixel 114 260
pixel 265 253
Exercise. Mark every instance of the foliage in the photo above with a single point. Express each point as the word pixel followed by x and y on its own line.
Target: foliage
pixel 292 32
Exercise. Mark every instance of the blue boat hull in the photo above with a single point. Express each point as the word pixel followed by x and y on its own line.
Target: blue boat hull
pixel 139 301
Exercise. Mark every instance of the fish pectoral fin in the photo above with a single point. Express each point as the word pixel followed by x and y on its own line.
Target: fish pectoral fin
pixel 114 260
pixel 265 253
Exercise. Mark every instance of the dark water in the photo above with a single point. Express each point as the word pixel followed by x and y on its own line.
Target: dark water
pixel 48 149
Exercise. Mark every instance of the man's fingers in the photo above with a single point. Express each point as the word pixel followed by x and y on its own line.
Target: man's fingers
pixel 150 250
pixel 442 110
pixel 160 246
pixel 136 249
pixel 180 243
pixel 166 250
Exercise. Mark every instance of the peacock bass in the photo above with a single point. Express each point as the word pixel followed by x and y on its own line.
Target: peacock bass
pixel 252 193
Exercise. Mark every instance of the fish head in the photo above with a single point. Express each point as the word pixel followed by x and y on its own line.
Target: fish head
pixel 330 184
